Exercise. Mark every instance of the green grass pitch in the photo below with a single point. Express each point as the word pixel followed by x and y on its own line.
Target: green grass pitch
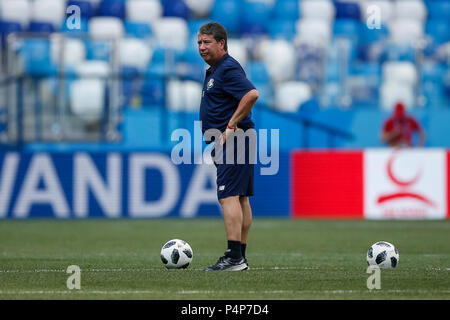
pixel 289 259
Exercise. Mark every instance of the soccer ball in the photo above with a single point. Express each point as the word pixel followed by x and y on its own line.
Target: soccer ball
pixel 176 254
pixel 383 254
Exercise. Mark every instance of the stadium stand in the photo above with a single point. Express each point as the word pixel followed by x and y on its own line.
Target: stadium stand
pixel 352 54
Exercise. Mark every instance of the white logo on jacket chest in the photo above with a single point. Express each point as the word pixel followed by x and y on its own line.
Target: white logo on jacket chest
pixel 210 84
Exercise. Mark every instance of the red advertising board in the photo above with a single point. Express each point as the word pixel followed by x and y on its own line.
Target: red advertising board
pixel 371 184
pixel 327 184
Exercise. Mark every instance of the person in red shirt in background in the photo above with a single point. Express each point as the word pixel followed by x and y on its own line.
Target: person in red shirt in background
pixel 398 129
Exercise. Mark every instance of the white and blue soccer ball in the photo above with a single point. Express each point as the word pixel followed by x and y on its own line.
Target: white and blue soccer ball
pixel 176 254
pixel 383 254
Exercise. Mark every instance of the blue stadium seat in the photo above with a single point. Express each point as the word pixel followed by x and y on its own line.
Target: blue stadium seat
pixel 258 72
pixel 439 30
pixel 98 50
pixel 347 10
pixel 438 9
pixel 399 52
pixel 38 26
pixel 138 29
pixel 8 27
pixel 194 25
pixel 86 7
pixel 112 8
pixel 286 9
pixel 227 13
pixel 35 54
pixel 348 28
pixel 255 15
pixel 176 8
pixel 282 29
pixel 153 91
pixel 129 83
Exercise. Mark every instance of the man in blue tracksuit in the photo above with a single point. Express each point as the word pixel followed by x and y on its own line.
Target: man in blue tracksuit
pixel 227 99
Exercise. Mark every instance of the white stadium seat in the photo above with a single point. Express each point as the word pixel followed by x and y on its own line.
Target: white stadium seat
pixel 317 9
pixel 87 98
pixel 183 95
pixel 237 49
pixel 106 27
pixel 52 11
pixel 16 10
pixel 200 8
pixel 279 59
pixel 74 50
pixel 135 53
pixel 171 33
pixel 93 68
pixel 406 31
pixel 391 92
pixel 410 9
pixel 290 95
pixel 313 31
pixel 400 71
pixel 145 11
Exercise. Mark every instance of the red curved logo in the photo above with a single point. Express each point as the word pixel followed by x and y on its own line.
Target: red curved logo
pixel 402 184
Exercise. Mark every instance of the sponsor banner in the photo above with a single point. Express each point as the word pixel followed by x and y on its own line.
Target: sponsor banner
pixel 405 184
pixel 327 184
pixel 115 185
pixel 371 184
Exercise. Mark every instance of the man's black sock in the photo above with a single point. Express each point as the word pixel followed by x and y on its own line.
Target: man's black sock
pixel 243 247
pixel 234 249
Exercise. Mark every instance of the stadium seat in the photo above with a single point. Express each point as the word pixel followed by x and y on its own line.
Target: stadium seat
pixel 176 8
pixel 318 9
pixel 347 10
pixel 290 95
pixel 348 28
pixel 199 9
pixel 16 11
pixel 98 50
pixel 153 92
pixel 106 27
pixel 35 56
pixel 227 13
pixel 171 33
pixel 282 29
pixel 87 98
pixel 52 11
pixel 92 68
pixel 438 30
pixel 134 53
pixel 183 95
pixel 237 49
pixel 392 92
pixel 145 11
pixel 74 50
pixel 140 30
pixel 112 8
pixel 438 9
pixel 313 31
pixel 8 27
pixel 255 16
pixel 401 72
pixel 406 31
pixel 279 59
pixel 286 10
pixel 410 9
pixel 38 26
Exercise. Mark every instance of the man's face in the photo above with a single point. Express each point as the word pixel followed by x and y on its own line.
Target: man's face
pixel 210 50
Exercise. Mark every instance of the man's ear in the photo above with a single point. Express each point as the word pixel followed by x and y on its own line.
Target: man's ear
pixel 222 43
